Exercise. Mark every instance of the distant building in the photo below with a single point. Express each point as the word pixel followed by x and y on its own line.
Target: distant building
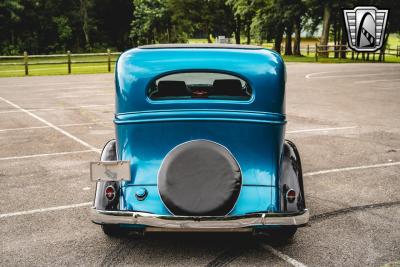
pixel 222 40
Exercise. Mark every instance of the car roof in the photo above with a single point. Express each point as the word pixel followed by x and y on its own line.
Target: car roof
pixel 221 46
pixel 261 68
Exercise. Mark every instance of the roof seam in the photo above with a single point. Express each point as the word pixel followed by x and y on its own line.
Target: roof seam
pixel 207 46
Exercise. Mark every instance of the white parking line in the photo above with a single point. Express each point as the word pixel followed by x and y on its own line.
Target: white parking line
pixel 44 127
pixel 55 108
pixel 267 247
pixel 91 95
pixel 352 168
pixel 24 128
pixel 310 76
pixel 47 154
pixel 51 125
pixel 26 212
pixel 282 256
pixel 96 87
pixel 321 129
pixel 373 81
pixel 29 85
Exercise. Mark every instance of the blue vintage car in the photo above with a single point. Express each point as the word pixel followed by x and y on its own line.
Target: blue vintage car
pixel 200 144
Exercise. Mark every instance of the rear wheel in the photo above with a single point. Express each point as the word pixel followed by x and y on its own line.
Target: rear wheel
pixel 281 235
pixel 286 233
pixel 112 230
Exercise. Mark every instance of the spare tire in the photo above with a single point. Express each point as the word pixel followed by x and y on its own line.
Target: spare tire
pixel 199 178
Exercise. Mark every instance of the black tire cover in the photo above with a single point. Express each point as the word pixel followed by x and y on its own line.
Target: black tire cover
pixel 199 178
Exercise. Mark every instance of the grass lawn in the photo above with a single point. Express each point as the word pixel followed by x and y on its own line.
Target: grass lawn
pixel 394 40
pixel 51 69
pixel 47 66
pixel 311 58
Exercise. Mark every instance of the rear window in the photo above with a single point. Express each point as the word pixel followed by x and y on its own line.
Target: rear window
pixel 199 85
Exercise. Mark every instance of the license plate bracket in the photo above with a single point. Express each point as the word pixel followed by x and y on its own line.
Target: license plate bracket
pixel 108 171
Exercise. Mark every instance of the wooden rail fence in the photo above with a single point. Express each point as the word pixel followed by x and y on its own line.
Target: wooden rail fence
pixel 61 59
pixel 339 51
pixel 342 51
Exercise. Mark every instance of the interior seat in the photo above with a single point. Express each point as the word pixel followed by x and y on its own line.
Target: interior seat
pixel 228 87
pixel 171 89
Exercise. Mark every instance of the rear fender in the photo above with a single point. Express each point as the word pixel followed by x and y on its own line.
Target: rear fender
pixel 109 153
pixel 291 177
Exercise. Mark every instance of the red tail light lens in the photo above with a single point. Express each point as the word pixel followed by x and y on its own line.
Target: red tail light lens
pixel 110 192
pixel 291 195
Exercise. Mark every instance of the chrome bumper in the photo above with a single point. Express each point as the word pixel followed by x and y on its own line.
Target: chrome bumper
pixel 154 222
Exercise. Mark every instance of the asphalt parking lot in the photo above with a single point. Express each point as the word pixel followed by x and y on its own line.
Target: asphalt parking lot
pixel 344 118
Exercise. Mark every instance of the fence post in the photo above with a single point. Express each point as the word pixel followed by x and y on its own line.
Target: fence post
pixel 316 52
pixel 343 54
pixel 397 54
pixel 109 59
pixel 69 61
pixel 384 54
pixel 26 62
pixel 308 49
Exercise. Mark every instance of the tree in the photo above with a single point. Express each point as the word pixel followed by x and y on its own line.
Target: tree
pixel 268 23
pixel 64 31
pixel 238 26
pixel 244 10
pixel 48 26
pixel 288 41
pixel 276 17
pixel 298 10
pixel 221 12
pixel 329 14
pixel 83 10
pixel 326 24
pixel 393 22
pixel 174 20
pixel 111 30
pixel 207 18
pixel 153 22
pixel 10 15
pixel 147 16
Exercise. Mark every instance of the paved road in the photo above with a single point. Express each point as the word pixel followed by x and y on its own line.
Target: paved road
pixel 345 119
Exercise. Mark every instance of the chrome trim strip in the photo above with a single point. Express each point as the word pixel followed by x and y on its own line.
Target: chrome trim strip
pixel 202 222
pixel 199 115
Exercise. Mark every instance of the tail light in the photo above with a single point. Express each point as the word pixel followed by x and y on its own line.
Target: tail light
pixel 291 195
pixel 110 192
